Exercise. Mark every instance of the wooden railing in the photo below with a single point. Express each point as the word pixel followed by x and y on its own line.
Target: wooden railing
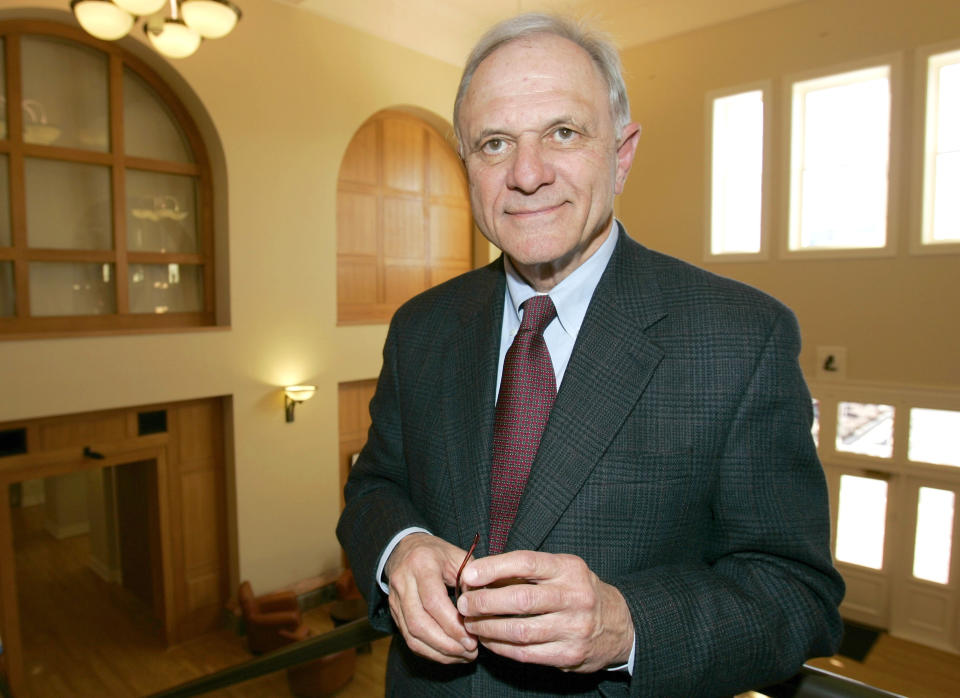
pixel 808 683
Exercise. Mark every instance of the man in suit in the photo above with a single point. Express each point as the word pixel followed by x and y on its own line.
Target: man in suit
pixel 672 536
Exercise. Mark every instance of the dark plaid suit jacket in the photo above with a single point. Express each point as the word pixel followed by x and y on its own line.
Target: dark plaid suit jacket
pixel 677 462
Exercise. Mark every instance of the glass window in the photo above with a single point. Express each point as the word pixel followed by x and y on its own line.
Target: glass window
pixel 64 94
pixel 7 297
pixel 861 521
pixel 839 161
pixel 151 131
pixel 81 219
pixel 736 163
pixel 105 237
pixel 934 540
pixel 165 288
pixel 161 212
pixel 58 289
pixel 934 436
pixel 941 204
pixel 865 429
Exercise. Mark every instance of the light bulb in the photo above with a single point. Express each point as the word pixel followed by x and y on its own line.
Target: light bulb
pixel 174 39
pixel 102 18
pixel 141 8
pixel 211 19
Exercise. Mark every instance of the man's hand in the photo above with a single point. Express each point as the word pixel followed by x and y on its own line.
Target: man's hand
pixel 419 570
pixel 547 609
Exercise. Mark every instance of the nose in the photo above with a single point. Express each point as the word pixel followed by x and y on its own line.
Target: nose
pixel 531 167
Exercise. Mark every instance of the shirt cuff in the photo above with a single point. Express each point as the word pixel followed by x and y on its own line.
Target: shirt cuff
pixel 384 584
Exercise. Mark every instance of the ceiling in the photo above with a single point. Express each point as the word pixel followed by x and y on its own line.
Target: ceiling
pixel 447 29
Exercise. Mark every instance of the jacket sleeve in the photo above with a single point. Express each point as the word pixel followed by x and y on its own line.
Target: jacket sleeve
pixel 766 597
pixel 377 505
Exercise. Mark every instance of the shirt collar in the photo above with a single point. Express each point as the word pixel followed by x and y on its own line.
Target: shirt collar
pixel 572 295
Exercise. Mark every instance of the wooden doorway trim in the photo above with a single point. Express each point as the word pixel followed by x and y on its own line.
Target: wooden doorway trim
pixel 61 462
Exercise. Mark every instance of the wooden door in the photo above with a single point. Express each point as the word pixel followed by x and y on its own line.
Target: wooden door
pixel 138 527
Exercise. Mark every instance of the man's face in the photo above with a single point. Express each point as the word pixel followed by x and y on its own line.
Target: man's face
pixel 542 157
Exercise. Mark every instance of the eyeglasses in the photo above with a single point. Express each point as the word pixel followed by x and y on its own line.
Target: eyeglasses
pixel 456 587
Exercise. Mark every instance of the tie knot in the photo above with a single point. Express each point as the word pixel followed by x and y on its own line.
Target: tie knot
pixel 538 312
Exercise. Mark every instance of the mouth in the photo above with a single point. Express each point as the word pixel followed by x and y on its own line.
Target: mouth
pixel 533 212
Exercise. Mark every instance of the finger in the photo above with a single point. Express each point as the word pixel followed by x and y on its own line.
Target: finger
pixel 423 633
pixel 519 564
pixel 524 599
pixel 528 630
pixel 563 655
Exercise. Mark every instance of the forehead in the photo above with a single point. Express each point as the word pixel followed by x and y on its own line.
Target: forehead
pixel 538 70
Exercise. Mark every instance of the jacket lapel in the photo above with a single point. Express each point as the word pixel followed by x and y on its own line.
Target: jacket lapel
pixel 468 406
pixel 612 362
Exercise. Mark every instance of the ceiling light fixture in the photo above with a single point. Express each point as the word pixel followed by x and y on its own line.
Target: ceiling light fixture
pixel 176 36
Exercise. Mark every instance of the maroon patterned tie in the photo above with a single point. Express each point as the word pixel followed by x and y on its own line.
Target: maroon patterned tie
pixel 527 390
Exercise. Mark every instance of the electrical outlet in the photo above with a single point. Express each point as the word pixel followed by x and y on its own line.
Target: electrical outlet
pixel 831 363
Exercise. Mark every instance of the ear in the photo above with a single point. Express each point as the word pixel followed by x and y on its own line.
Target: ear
pixel 626 150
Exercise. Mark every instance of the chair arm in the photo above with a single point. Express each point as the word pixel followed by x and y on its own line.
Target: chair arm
pixel 278 618
pixel 278 601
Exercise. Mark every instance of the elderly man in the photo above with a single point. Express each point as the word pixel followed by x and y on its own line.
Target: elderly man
pixel 625 437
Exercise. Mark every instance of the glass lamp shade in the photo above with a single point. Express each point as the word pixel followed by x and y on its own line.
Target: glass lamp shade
pixel 211 19
pixel 141 8
pixel 174 39
pixel 299 393
pixel 102 18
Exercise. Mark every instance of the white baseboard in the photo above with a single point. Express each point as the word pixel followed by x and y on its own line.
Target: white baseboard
pixel 103 570
pixel 61 531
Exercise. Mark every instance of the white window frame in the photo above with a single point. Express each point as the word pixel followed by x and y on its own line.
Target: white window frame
pixel 921 196
pixel 766 88
pixel 894 64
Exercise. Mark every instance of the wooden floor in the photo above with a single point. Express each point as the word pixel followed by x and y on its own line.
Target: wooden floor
pixel 85 637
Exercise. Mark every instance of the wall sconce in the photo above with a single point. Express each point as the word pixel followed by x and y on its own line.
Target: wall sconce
pixel 293 395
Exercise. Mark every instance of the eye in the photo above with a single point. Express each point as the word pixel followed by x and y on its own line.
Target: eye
pixel 494 146
pixel 564 134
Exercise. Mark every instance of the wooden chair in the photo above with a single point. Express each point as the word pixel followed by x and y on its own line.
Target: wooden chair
pixel 267 617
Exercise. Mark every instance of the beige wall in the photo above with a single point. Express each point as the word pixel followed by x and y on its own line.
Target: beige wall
pixel 896 316
pixel 285 92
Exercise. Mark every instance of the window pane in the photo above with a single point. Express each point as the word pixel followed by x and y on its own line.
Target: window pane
pixel 865 429
pixel 150 130
pixel 931 552
pixel 861 521
pixel 7 297
pixel 166 288
pixel 815 429
pixel 946 204
pixel 71 289
pixel 737 164
pixel 81 218
pixel 64 94
pixel 941 214
pixel 844 206
pixel 5 236
pixel 839 161
pixel 161 212
pixel 933 436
